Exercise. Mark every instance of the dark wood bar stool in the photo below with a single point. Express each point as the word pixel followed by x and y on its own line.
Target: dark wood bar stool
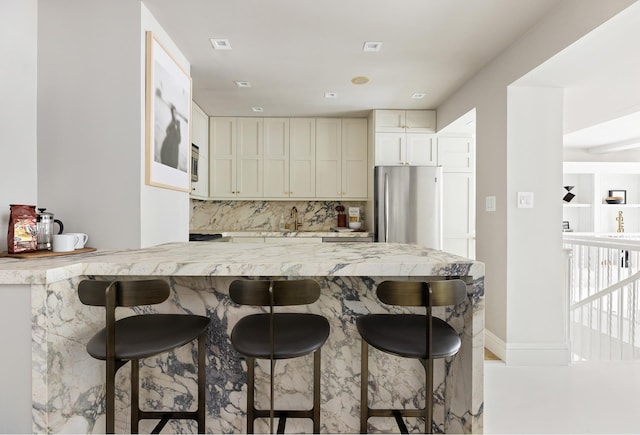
pixel 142 336
pixel 276 336
pixel 418 336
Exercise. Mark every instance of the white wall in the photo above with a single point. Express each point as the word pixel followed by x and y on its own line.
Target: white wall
pixel 18 140
pixel 536 297
pixel 91 125
pixel 164 213
pixel 18 184
pixel 487 92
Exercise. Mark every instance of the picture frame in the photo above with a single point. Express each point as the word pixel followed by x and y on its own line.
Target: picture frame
pixel 620 193
pixel 168 119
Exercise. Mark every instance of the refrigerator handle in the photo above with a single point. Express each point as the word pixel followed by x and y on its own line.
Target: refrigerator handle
pixel 386 207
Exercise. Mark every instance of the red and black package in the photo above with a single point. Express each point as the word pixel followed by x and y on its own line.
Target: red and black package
pixel 22 235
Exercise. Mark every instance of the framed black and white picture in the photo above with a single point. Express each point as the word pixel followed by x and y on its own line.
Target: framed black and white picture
pixel 168 115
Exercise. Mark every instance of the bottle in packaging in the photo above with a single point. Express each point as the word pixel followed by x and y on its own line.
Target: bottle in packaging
pixel 22 235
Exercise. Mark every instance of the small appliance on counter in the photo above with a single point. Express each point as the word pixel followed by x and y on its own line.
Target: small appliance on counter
pixel 45 223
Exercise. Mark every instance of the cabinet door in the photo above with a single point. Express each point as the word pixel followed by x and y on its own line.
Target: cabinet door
pixel 200 137
pixel 459 213
pixel 354 158
pixel 249 158
pixel 222 157
pixel 389 120
pixel 328 158
pixel 456 154
pixel 420 121
pixel 421 149
pixel 276 158
pixel 302 158
pixel 390 149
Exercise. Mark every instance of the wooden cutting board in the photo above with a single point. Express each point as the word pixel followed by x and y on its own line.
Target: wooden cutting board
pixel 42 254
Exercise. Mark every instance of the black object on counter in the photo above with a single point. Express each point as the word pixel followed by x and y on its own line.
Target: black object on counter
pixel 198 237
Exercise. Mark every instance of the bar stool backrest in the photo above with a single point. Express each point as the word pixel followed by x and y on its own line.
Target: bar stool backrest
pixel 127 293
pixel 416 293
pixel 257 292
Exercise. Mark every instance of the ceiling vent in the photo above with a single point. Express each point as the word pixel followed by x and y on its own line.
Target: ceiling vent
pixel 257 109
pixel 330 95
pixel 241 84
pixel 418 96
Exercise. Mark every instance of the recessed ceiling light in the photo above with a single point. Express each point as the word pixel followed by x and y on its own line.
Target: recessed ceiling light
pixel 257 109
pixel 418 96
pixel 242 84
pixel 360 80
pixel 372 46
pixel 330 95
pixel 220 43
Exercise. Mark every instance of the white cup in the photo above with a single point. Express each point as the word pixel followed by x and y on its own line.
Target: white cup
pixel 82 240
pixel 64 242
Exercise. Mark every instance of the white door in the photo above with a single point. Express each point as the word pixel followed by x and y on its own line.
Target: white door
pixel 421 149
pixel 354 158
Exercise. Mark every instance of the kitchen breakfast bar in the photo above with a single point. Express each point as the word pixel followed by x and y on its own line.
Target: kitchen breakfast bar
pixel 67 385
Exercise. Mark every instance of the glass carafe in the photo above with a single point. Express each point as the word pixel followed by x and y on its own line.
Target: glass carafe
pixel 45 229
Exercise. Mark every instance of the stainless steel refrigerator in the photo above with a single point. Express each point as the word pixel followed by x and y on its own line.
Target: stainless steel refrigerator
pixel 408 205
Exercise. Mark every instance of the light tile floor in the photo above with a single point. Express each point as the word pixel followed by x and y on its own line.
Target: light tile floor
pixel 602 398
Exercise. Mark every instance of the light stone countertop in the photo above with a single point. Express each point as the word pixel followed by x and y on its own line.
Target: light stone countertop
pixel 243 259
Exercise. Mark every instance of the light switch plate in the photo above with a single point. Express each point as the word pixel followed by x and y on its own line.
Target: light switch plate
pixel 490 203
pixel 525 199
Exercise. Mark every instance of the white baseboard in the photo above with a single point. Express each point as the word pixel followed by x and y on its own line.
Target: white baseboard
pixel 495 345
pixel 536 354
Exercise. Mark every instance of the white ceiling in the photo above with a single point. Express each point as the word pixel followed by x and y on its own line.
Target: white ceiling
pixel 293 51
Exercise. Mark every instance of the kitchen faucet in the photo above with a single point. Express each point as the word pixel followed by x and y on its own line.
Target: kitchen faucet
pixel 294 214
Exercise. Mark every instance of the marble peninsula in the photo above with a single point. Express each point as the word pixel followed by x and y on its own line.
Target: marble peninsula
pixel 67 385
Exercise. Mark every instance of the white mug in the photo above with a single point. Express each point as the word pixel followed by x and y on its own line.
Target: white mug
pixel 82 240
pixel 64 242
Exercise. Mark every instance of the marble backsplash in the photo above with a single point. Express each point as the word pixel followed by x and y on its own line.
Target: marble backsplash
pixel 266 215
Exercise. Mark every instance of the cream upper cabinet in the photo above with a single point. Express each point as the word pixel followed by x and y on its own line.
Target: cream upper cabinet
pixel 403 137
pixel 250 156
pixel 302 158
pixel 289 158
pixel 200 138
pixel 417 121
pixel 276 158
pixel 354 158
pixel 393 149
pixel 236 157
pixel 341 158
pixel 222 157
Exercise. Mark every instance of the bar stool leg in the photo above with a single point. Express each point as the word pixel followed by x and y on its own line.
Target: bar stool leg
pixel 428 418
pixel 110 395
pixel 250 392
pixel 316 391
pixel 364 387
pixel 202 409
pixel 135 395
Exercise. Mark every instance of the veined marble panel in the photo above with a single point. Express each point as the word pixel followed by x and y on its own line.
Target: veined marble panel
pixel 266 215
pixel 71 389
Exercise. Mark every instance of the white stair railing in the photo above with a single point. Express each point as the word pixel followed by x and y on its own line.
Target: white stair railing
pixel 604 280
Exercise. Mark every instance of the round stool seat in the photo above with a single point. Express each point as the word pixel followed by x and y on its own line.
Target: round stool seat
pixel 405 335
pixel 139 337
pixel 295 334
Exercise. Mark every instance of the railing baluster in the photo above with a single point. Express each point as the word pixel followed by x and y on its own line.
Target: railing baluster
pixel 603 289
